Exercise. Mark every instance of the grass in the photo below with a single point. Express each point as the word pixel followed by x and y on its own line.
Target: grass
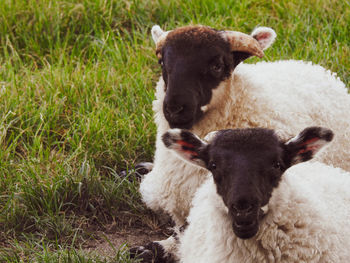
pixel 47 254
pixel 76 85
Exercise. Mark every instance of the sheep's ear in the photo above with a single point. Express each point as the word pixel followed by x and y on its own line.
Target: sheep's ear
pixel 186 145
pixel 306 144
pixel 244 46
pixel 157 33
pixel 265 36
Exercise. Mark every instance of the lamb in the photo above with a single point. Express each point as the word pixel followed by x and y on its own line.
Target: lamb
pixel 205 87
pixel 252 209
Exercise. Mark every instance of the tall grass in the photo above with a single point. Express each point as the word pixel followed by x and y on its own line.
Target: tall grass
pixel 76 86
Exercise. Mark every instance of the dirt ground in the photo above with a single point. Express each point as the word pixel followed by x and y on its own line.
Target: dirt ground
pixel 108 244
pixel 108 241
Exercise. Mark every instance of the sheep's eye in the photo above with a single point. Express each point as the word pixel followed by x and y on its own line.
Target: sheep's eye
pixel 160 62
pixel 212 166
pixel 217 68
pixel 277 165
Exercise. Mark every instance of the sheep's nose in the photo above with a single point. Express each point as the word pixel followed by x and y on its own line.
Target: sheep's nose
pixel 243 207
pixel 174 109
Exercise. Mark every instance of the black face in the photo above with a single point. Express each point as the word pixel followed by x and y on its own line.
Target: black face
pixel 246 166
pixel 194 62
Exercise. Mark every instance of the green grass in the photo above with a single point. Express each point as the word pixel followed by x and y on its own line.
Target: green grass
pixel 58 254
pixel 76 85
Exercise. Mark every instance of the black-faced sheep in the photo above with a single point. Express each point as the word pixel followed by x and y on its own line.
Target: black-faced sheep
pixel 198 64
pixel 252 209
pixel 204 87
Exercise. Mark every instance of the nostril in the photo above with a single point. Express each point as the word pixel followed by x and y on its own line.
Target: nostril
pixel 243 207
pixel 174 109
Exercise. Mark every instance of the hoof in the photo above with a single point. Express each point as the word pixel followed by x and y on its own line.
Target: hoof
pixel 142 253
pixel 153 252
pixel 140 170
pixel 143 168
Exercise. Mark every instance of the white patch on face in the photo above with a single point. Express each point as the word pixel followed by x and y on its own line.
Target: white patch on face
pixel 204 108
pixel 265 209
pixel 218 96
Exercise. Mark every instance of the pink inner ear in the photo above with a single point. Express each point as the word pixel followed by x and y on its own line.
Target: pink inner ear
pixel 183 143
pixel 192 154
pixel 312 147
pixel 262 36
pixel 310 141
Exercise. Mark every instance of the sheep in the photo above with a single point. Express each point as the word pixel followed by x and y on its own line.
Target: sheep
pixel 283 95
pixel 252 209
pixel 205 87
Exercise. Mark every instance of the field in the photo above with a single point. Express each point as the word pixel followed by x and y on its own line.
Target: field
pixel 76 85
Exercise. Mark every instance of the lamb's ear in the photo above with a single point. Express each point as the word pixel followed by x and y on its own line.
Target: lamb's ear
pixel 306 144
pixel 265 36
pixel 186 145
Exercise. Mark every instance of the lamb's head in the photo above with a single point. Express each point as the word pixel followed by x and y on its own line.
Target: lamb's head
pixel 195 60
pixel 247 165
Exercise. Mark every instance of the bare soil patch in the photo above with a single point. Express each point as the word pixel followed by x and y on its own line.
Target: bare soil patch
pixel 109 240
pixel 107 244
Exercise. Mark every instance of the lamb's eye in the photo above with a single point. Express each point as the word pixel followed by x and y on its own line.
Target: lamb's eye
pixel 160 62
pixel 212 166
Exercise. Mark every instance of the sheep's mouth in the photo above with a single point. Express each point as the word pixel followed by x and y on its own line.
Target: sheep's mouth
pixel 181 125
pixel 248 227
pixel 245 230
pixel 186 120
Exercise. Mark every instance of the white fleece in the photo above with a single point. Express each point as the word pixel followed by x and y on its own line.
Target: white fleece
pixel 286 96
pixel 308 221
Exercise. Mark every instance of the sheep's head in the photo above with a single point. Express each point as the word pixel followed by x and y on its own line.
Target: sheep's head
pixel 247 165
pixel 195 60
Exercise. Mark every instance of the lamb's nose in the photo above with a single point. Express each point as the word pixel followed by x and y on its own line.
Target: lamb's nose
pixel 242 207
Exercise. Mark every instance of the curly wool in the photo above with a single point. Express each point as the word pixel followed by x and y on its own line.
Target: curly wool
pixel 284 95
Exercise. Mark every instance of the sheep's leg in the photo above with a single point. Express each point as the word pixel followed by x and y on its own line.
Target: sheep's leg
pixel 156 252
pixel 140 170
